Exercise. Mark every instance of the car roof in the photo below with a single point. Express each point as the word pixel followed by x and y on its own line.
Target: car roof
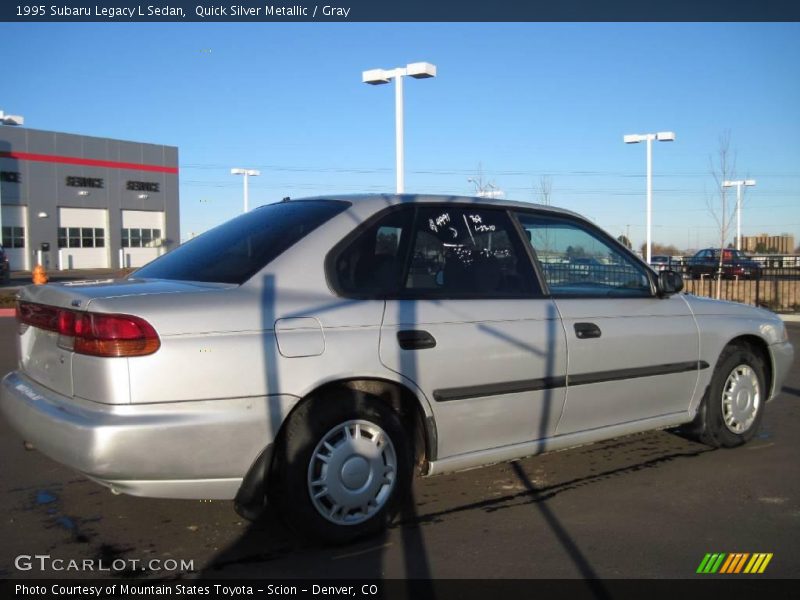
pixel 378 201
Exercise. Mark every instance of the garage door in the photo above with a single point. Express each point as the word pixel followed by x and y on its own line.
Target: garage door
pixel 142 236
pixel 83 238
pixel 14 236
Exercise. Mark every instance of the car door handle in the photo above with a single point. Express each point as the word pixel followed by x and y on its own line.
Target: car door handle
pixel 415 339
pixel 585 331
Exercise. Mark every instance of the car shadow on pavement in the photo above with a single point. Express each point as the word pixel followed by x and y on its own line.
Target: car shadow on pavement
pixel 791 390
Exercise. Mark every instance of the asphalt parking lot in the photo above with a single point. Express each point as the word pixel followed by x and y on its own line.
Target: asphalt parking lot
pixel 649 505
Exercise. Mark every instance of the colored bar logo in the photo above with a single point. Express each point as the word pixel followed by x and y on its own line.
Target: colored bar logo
pixel 734 563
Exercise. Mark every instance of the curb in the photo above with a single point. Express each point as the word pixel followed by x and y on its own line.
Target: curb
pixel 8 312
pixel 790 318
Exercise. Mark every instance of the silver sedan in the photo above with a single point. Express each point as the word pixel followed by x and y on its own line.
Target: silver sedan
pixel 318 353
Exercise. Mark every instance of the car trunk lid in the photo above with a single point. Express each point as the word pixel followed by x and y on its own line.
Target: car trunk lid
pixel 43 354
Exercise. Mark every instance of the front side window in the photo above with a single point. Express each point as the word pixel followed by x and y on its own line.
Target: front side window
pixel 576 261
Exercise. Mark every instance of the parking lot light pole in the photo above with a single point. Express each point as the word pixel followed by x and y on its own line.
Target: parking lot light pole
pixel 247 174
pixel 421 70
pixel 738 185
pixel 661 136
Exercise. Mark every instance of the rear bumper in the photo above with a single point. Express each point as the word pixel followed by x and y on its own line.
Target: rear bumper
pixel 199 449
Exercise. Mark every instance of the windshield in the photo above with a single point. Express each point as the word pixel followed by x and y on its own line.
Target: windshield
pixel 235 251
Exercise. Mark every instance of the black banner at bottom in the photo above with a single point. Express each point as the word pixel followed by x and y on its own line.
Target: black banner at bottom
pixel 730 588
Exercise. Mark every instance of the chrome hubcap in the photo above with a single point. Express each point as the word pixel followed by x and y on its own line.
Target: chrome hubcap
pixel 741 398
pixel 352 472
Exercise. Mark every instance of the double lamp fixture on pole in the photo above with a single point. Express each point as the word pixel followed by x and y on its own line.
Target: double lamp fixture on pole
pixel 661 136
pixel 420 70
pixel 738 185
pixel 247 174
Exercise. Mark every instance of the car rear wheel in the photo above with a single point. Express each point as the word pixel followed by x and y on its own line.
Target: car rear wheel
pixel 343 468
pixel 733 406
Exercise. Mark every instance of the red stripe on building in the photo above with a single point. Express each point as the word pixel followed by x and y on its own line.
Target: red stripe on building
pixel 87 162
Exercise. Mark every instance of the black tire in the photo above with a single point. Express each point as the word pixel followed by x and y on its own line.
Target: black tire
pixel 289 488
pixel 715 425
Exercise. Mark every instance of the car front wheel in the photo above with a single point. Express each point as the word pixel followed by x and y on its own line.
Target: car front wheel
pixel 733 406
pixel 343 469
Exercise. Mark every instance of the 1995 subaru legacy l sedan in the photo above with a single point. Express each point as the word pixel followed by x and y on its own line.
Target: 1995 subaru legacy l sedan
pixel 319 352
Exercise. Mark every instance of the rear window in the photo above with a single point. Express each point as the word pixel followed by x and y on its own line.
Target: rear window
pixel 235 251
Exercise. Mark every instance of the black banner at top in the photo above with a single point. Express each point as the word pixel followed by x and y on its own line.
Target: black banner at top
pixel 400 10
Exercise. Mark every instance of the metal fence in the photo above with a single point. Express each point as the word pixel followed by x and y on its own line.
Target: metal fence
pixel 777 289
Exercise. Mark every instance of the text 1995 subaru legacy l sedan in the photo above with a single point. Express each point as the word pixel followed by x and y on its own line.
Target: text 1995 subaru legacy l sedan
pixel 319 352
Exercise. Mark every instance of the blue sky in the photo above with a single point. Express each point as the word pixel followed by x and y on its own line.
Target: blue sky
pixel 518 100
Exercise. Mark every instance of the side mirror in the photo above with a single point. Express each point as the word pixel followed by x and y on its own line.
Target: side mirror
pixel 669 282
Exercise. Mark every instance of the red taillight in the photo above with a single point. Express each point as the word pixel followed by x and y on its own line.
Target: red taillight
pixel 66 322
pixel 96 334
pixel 38 315
pixel 100 334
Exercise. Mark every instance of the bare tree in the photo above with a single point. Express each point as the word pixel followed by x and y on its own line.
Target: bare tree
pixel 484 188
pixel 544 189
pixel 723 211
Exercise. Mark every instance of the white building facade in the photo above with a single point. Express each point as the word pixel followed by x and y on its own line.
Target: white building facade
pixel 80 202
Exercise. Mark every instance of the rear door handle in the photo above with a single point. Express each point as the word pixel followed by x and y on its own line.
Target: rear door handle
pixel 587 330
pixel 415 339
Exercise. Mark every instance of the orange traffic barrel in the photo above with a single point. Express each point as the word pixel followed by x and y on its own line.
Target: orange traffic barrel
pixel 39 275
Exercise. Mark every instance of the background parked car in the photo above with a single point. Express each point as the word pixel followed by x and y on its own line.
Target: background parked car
pixel 734 264
pixel 661 262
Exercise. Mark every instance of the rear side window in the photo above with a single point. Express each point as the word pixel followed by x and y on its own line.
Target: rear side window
pixel 436 252
pixel 469 252
pixel 372 265
pixel 235 251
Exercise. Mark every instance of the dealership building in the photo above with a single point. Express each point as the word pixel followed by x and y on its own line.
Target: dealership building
pixel 80 202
